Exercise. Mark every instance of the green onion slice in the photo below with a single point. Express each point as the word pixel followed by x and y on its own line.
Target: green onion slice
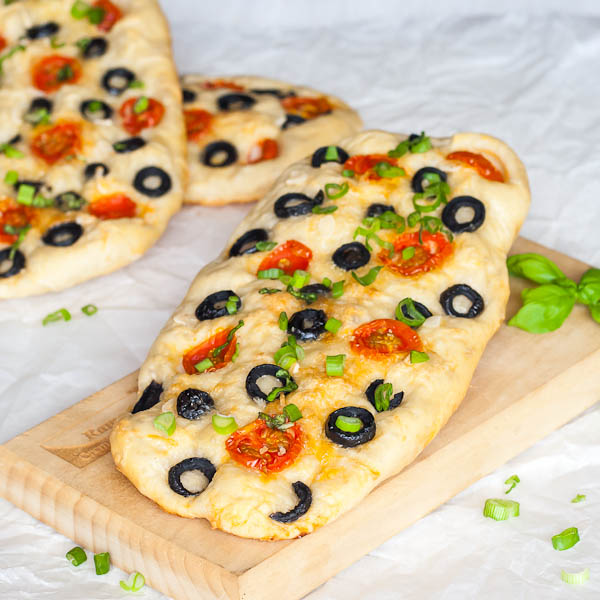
pixel 77 556
pixel 327 282
pixel 369 278
pixel 203 365
pixel 292 412
pixel 289 386
pixel 333 325
pixel 512 481
pixel 500 509
pixel 141 105
pixel 270 274
pixel 10 151
pixel 335 190
pixel 25 194
pixel 96 15
pixel 348 173
pixel 82 44
pixel 415 318
pixel 11 177
pixel 269 291
pixel 383 395
pixel 135 84
pixel 166 423
pixel 337 289
pixel 80 9
pixel 224 425
pixel 62 314
pixel 385 170
pixel 231 305
pixel 334 365
pixel 420 144
pixel 283 321
pixel 575 578
pixel 89 309
pixel 408 252
pixel 349 424
pixel 566 539
pixel 578 498
pixel 332 153
pixel 299 279
pixel 265 246
pixel 418 357
pixel 324 210
pixel 216 351
pixel 135 582
pixel 102 563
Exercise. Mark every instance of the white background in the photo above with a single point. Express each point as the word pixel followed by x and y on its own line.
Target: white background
pixel 528 72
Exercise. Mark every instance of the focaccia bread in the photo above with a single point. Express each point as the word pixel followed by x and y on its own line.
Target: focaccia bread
pixel 92 139
pixel 244 131
pixel 366 372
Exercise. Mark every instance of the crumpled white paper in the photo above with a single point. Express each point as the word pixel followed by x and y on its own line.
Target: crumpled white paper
pixel 527 76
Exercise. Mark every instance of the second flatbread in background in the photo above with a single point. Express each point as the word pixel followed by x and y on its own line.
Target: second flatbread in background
pixel 244 131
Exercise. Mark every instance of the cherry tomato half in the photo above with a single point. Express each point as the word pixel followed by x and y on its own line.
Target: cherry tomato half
pixel 425 256
pixel 114 206
pixel 13 214
pixel 197 123
pixel 112 14
pixel 215 84
pixel 383 337
pixel 266 149
pixel 480 163
pixel 289 257
pixel 363 163
pixel 3 43
pixel 134 122
pixel 57 142
pixel 52 72
pixel 306 106
pixel 204 350
pixel 256 446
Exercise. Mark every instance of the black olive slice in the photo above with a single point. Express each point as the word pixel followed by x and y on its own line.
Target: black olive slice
pixel 307 324
pixel 150 397
pixel 189 95
pixel 304 501
pixel 349 439
pixel 318 158
pixel 93 169
pixel 189 464
pixel 15 140
pixel 95 48
pixel 219 154
pixel 69 201
pixel 316 288
pixel 152 182
pixel 292 121
pixel 450 210
pixel 235 102
pixel 295 204
pixel 252 387
pixel 214 305
pixel 63 234
pixel 274 92
pixel 36 185
pixel 95 110
pixel 129 145
pixel 15 264
pixel 246 243
pixel 420 308
pixel 193 403
pixel 462 289
pixel 375 210
pixel 116 81
pixel 395 400
pixel 351 256
pixel 38 108
pixel 41 31
pixel 417 180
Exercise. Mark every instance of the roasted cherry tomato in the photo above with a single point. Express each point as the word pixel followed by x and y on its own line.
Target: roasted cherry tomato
pixel 51 72
pixel 363 163
pixel 306 107
pixel 480 163
pixel 289 257
pixel 112 14
pixel 423 257
pixel 215 84
pixel 12 214
pixel 266 149
pixel 134 122
pixel 197 123
pixel 258 447
pixel 3 43
pixel 114 206
pixel 205 350
pixel 384 337
pixel 57 142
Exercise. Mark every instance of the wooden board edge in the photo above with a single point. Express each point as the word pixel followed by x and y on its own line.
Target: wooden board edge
pixel 167 567
pixel 511 433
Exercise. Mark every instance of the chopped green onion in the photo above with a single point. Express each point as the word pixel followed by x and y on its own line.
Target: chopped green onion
pixel 141 105
pixel 512 481
pixel 333 325
pixel 95 105
pixel 135 582
pixel 216 351
pixel 89 309
pixel 285 279
pixel 62 314
pixel 203 365
pixel 384 169
pixel 349 424
pixel 55 43
pixel 11 152
pixel 269 291
pixel 135 84
pixel 400 150
pixel 309 297
pixel 270 274
pixel 418 357
pixel 292 412
pixel 40 202
pixel 348 173
pixel 369 278
pixel 25 194
pixel 11 177
pixel 300 278
pixel 236 353
pixel 166 423
pixel 414 319
pixel 421 144
pixel 500 509
pixel 289 386
pixel 334 190
pixel 80 9
pixel 102 563
pixel 383 395
pixel 327 282
pixel 83 43
pixel 334 365
pixel 21 233
pixel 40 116
pixel 575 578
pixel 283 321
pixel 413 219
pixel 9 53
pixel 332 153
pixel 578 498
pixel 224 425
pixel 324 210
pixel 408 252
pixel 77 556
pixel 231 305
pixel 96 15
pixel 65 73
pixel 265 245
pixel 337 290
pixel 566 539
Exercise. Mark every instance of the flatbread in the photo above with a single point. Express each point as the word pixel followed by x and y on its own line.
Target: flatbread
pixel 434 378
pixel 152 177
pixel 243 112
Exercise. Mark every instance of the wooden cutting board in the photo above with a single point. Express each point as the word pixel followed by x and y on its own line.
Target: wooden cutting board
pixel 526 386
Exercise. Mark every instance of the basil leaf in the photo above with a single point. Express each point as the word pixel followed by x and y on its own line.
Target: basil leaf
pixel 595 311
pixel 588 290
pixel 535 267
pixel 545 308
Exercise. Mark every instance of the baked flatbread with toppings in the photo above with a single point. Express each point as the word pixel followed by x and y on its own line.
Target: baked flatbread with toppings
pixel 244 131
pixel 92 140
pixel 333 337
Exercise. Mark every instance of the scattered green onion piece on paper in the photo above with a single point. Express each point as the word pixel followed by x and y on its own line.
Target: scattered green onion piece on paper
pixel 292 412
pixel 335 190
pixel 332 153
pixel 512 481
pixel 89 309
pixel 224 425
pixel 102 563
pixel 166 423
pixel 500 509
pixel 203 365
pixel 369 278
pixel 334 365
pixel 265 246
pixel 62 314
pixel 231 305
pixel 418 357
pixel 134 583
pixel 575 578
pixel 77 556
pixel 348 424
pixel 11 177
pixel 566 539
pixel 283 321
pixel 578 498
pixel 333 325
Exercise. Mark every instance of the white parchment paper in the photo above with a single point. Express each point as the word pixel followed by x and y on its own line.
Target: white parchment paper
pixel 527 72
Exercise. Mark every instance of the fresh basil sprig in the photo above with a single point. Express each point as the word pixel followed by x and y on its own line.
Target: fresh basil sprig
pixel 546 307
